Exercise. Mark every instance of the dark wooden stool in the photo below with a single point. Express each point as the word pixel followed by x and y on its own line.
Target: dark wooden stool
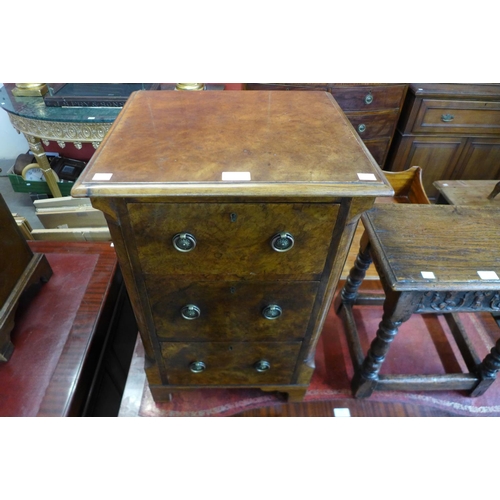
pixel 431 259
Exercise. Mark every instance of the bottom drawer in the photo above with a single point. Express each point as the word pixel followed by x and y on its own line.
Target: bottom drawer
pixel 230 363
pixel 378 149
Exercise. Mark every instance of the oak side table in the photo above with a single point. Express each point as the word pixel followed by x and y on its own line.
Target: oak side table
pixel 232 214
pixel 468 192
pixel 431 259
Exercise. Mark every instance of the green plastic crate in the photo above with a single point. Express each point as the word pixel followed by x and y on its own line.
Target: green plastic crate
pixel 19 185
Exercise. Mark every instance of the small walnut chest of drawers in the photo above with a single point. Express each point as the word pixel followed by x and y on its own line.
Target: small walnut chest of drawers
pixel 232 214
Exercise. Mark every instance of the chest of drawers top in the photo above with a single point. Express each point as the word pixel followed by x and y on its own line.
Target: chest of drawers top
pixel 265 143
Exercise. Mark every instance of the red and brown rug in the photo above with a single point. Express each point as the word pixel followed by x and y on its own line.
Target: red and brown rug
pixel 424 345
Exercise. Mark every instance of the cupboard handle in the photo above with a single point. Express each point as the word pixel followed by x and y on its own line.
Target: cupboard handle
pixel 197 366
pixel 282 242
pixel 361 128
pixel 447 117
pixel 262 366
pixel 368 98
pixel 190 311
pixel 272 311
pixel 184 242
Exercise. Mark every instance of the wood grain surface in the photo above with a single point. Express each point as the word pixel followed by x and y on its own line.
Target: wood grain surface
pixel 453 242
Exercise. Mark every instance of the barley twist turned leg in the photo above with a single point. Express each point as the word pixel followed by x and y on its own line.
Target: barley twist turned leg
pixel 357 273
pixel 487 370
pixel 398 307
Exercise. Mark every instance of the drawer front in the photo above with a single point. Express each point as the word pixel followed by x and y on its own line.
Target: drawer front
pixel 374 125
pixel 369 98
pixel 458 117
pixel 231 310
pixel 378 149
pixel 230 363
pixel 233 239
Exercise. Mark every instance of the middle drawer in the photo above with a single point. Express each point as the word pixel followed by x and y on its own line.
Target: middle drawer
pixel 374 125
pixel 243 311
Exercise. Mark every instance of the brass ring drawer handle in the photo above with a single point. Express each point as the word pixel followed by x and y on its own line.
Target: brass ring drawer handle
pixel 190 311
pixel 282 242
pixel 262 366
pixel 447 117
pixel 184 242
pixel 272 311
pixel 197 366
pixel 361 128
pixel 368 98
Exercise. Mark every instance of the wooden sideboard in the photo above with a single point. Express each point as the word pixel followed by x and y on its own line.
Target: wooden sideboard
pixel 232 214
pixel 372 108
pixel 452 131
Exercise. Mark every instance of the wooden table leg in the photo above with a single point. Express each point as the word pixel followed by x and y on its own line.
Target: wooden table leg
pixel 357 273
pixel 487 370
pixel 398 308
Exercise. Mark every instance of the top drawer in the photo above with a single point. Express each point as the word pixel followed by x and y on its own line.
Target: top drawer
pixel 458 117
pixel 369 98
pixel 233 239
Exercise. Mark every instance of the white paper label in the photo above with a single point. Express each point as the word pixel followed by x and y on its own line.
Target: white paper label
pixel 428 275
pixel 341 412
pixel 102 177
pixel 367 177
pixel 236 176
pixel 488 275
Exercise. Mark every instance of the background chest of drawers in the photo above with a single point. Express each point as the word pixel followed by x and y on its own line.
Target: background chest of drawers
pixel 452 131
pixel 372 109
pixel 232 214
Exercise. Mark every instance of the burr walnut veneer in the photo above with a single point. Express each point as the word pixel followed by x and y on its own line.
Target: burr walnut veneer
pixel 232 214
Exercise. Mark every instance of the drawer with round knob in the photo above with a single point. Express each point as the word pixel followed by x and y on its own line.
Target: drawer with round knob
pixel 230 363
pixel 369 98
pixel 222 310
pixel 245 240
pixel 374 125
